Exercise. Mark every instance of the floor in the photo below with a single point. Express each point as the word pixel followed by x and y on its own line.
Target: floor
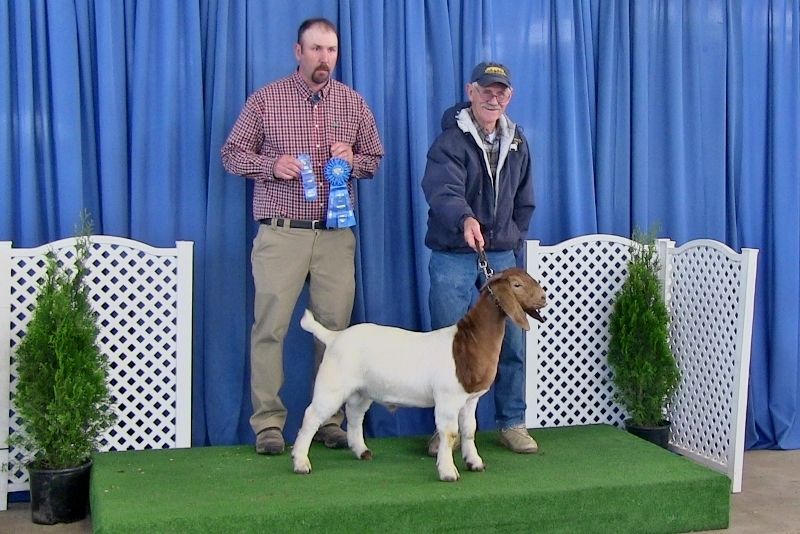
pixel 768 503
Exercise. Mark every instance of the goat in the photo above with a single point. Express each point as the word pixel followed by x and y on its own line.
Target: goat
pixel 449 369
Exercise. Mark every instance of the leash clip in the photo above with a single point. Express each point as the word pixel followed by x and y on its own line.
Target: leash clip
pixel 483 265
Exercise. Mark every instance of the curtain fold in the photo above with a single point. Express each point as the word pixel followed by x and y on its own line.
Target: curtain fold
pixel 221 384
pixel 111 38
pixel 679 114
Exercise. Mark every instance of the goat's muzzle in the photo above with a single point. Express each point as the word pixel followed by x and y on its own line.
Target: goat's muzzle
pixel 534 313
pixel 541 302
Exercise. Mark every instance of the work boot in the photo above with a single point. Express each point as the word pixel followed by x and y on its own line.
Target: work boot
pixel 518 440
pixel 433 444
pixel 270 441
pixel 332 436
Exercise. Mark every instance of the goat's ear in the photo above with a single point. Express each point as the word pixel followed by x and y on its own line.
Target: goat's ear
pixel 509 303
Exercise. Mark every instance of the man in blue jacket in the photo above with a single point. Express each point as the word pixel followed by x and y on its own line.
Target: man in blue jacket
pixel 479 186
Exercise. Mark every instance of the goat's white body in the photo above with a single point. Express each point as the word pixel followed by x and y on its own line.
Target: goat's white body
pixel 390 365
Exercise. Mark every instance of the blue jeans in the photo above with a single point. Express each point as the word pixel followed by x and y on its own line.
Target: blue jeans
pixel 454 277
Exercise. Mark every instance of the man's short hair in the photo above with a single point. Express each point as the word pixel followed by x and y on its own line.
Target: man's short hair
pixel 306 24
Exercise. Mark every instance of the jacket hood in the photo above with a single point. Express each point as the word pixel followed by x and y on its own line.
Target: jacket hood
pixel 450 116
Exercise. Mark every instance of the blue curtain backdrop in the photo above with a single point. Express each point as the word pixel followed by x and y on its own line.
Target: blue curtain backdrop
pixel 681 114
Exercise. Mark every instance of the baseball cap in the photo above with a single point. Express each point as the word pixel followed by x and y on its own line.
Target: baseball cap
pixel 487 73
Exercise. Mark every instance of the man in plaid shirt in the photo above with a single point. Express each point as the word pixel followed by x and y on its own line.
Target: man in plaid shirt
pixel 310 113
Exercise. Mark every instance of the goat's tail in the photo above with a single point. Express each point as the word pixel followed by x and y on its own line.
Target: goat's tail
pixel 309 324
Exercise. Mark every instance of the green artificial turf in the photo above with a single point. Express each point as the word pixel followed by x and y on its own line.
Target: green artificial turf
pixel 584 479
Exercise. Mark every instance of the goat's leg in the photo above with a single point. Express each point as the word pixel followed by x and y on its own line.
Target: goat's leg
pixel 324 404
pixel 311 423
pixel 357 406
pixel 467 426
pixel 447 425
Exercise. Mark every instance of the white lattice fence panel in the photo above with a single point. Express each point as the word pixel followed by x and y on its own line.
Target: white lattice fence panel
pixel 142 297
pixel 710 298
pixel 568 378
pixel 5 367
pixel 709 290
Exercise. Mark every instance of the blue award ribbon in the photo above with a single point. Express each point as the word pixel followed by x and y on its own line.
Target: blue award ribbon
pixel 308 179
pixel 340 209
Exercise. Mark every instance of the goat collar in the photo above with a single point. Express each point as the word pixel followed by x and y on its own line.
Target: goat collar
pixel 488 273
pixel 494 297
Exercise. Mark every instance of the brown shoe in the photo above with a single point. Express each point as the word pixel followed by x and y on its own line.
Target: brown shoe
pixel 518 440
pixel 433 444
pixel 332 436
pixel 270 441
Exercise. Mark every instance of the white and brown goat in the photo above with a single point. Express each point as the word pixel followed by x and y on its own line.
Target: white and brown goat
pixel 449 369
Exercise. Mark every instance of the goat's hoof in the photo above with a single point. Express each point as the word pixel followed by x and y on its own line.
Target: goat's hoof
pixel 302 467
pixel 476 466
pixel 366 455
pixel 449 477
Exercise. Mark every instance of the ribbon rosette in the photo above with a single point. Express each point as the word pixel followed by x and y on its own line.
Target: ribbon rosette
pixel 340 210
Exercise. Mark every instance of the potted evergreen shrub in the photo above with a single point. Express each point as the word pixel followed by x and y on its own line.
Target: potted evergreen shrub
pixel 62 395
pixel 645 373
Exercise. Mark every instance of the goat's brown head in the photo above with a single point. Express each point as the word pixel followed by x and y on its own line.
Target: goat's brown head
pixel 517 294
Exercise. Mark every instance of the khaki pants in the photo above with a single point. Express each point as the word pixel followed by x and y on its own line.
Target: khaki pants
pixel 283 258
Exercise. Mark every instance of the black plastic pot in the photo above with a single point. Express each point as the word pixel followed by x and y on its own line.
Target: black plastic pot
pixel 59 495
pixel 658 435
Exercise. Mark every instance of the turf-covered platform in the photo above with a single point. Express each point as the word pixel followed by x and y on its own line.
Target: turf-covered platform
pixel 584 479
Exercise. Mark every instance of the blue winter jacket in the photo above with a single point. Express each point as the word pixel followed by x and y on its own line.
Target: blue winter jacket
pixel 457 185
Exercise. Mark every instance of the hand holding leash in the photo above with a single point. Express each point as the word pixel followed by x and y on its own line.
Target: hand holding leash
pixel 472 234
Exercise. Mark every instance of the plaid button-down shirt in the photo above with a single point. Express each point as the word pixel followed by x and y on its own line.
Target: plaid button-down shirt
pixel 491 145
pixel 282 118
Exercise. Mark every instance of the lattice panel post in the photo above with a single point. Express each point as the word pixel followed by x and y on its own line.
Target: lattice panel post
pixel 711 296
pixel 568 377
pixel 5 366
pixel 183 345
pixel 143 299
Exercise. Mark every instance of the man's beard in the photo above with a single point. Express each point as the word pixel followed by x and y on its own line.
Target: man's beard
pixel 321 74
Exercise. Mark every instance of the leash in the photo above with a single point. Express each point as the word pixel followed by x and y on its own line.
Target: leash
pixel 488 273
pixel 483 264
